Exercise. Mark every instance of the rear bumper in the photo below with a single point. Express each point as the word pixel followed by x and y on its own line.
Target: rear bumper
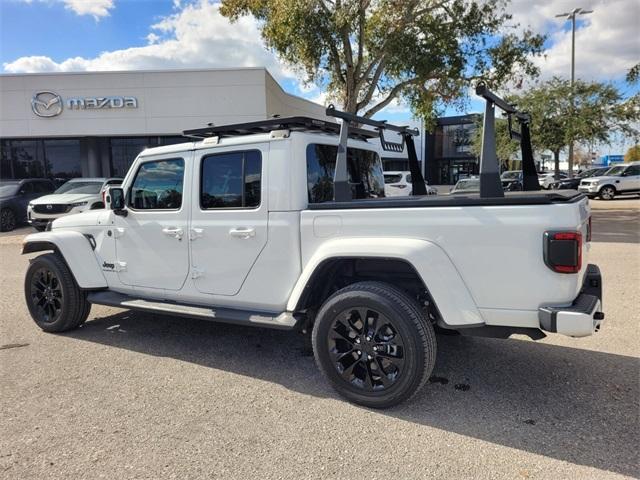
pixel 584 316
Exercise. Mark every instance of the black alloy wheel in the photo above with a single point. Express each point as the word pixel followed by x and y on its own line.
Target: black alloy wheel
pixel 366 348
pixel 53 297
pixel 46 295
pixel 374 344
pixel 607 193
pixel 7 220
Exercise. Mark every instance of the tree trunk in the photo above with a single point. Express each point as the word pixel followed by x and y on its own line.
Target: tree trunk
pixel 556 161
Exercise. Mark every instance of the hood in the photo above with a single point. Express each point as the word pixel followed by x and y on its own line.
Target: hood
pixel 65 198
pixel 85 219
pixel 601 179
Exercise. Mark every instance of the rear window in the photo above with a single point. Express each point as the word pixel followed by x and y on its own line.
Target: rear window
pixel 363 166
pixel 392 178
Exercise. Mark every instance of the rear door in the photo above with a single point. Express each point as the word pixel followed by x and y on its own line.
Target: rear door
pixel 229 217
pixel 152 247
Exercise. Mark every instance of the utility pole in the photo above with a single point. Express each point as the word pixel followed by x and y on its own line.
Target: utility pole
pixel 572 16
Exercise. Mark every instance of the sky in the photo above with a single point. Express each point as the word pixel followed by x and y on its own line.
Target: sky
pixel 93 35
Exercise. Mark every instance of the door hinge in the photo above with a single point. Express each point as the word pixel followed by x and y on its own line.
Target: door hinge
pixel 197 272
pixel 195 233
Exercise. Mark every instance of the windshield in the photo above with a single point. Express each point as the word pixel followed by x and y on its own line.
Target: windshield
pixel 8 188
pixel 593 172
pixel 90 188
pixel 467 184
pixel 395 178
pixel 511 175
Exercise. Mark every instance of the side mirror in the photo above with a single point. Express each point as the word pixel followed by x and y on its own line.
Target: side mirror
pixel 115 200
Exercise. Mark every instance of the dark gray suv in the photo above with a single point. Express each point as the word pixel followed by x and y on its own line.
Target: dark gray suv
pixel 15 195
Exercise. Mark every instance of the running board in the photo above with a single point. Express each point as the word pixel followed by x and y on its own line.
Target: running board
pixel 284 320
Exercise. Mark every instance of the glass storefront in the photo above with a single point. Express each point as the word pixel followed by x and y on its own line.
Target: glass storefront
pixel 40 158
pixel 62 158
pixel 124 150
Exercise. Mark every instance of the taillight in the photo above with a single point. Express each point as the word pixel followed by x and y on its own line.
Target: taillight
pixel 563 251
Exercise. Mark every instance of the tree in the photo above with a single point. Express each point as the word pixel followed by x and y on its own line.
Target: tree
pixel 506 148
pixel 368 53
pixel 633 154
pixel 598 113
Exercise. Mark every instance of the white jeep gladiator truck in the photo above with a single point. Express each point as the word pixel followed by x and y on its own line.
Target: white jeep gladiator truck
pixel 283 224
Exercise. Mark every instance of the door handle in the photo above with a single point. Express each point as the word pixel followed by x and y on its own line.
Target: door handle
pixel 173 232
pixel 243 232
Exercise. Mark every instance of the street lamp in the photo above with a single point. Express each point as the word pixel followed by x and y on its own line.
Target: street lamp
pixel 572 16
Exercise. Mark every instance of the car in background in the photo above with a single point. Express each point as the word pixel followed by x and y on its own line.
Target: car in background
pixel 15 195
pixel 398 184
pixel 75 196
pixel 547 178
pixel 618 180
pixel 573 183
pixel 511 180
pixel 466 186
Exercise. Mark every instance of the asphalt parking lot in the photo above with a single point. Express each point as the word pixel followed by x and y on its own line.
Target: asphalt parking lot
pixel 132 395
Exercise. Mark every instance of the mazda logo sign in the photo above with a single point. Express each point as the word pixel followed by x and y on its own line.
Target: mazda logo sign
pixel 46 104
pixel 49 207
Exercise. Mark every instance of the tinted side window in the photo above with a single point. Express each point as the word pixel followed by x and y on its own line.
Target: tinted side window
pixel 158 185
pixel 26 188
pixel 363 166
pixel 632 170
pixel 44 187
pixel 231 180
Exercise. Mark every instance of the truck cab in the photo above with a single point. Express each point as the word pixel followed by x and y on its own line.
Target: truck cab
pixel 284 224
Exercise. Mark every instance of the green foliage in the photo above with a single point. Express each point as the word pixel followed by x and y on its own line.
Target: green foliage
pixel 506 148
pixel 368 53
pixel 634 74
pixel 633 154
pixel 598 113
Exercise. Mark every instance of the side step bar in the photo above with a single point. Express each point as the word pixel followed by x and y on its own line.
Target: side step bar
pixel 284 320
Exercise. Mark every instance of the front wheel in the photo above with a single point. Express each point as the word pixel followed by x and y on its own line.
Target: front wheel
pixel 7 220
pixel 53 297
pixel 374 344
pixel 607 193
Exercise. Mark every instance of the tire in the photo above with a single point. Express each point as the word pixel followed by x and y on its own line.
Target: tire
pixel 607 192
pixel 7 220
pixel 53 297
pixel 354 362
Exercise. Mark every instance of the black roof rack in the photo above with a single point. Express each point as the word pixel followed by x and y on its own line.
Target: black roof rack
pixel 298 124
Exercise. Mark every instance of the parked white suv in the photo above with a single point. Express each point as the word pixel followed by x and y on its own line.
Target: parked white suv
pixel 398 184
pixel 619 180
pixel 282 224
pixel 74 196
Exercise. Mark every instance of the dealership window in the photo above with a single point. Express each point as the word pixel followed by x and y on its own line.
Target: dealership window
pixel 231 180
pixel 40 158
pixel 158 185
pixel 363 166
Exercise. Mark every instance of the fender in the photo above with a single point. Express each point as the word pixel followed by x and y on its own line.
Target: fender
pixel 439 274
pixel 76 251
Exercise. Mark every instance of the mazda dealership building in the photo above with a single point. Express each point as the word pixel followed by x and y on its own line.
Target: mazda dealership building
pixel 64 125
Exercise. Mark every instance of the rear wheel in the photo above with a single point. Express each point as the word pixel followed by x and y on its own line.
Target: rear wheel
pixel 53 297
pixel 607 192
pixel 374 345
pixel 7 220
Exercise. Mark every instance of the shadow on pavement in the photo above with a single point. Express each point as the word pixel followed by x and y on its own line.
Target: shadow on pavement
pixel 616 225
pixel 573 405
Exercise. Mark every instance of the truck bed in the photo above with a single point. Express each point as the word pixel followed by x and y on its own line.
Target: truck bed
pixel 470 200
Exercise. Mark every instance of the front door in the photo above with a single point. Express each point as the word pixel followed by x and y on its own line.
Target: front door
pixel 152 245
pixel 630 179
pixel 229 216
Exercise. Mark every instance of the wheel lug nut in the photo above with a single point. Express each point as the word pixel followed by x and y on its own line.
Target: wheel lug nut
pixel 357 340
pixel 368 339
pixel 375 349
pixel 358 352
pixel 369 357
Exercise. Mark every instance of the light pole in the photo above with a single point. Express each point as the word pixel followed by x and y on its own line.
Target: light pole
pixel 572 16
